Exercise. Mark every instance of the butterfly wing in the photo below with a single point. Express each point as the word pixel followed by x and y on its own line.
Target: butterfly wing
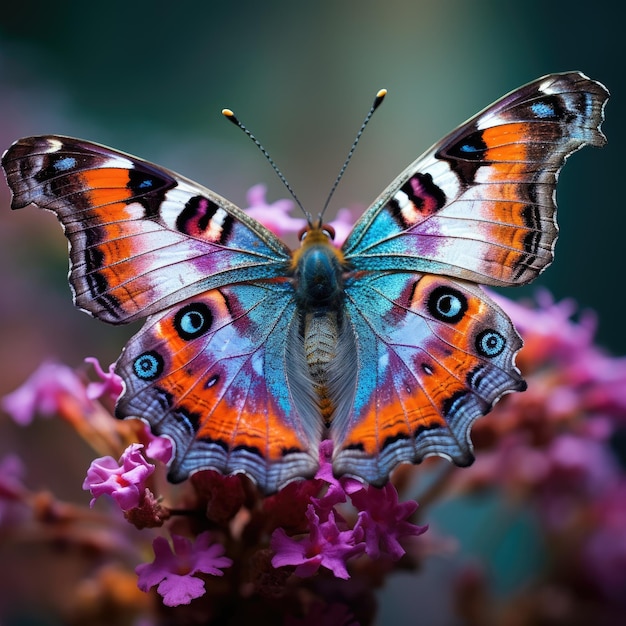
pixel 142 238
pixel 480 204
pixel 433 355
pixel 434 352
pixel 212 367
pixel 216 375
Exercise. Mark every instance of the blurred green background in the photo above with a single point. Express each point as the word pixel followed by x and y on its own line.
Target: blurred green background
pixel 150 78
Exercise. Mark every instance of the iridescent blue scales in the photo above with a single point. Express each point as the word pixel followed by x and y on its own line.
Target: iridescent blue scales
pixel 251 354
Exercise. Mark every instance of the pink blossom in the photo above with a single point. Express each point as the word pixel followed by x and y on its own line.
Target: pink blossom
pixel 123 481
pixel 338 488
pixel 46 392
pixel 158 448
pixel 588 380
pixel 582 463
pixel 325 471
pixel 325 456
pixel 381 523
pixel 325 546
pixel 384 520
pixel 173 570
pixel 110 384
pixel 273 216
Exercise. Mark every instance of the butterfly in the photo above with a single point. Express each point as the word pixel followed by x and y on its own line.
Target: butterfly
pixel 253 354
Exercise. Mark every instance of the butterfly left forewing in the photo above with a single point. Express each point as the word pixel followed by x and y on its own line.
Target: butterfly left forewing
pixel 141 237
pixel 480 204
pixel 433 355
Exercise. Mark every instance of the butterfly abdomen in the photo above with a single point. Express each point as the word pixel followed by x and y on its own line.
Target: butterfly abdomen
pixel 321 334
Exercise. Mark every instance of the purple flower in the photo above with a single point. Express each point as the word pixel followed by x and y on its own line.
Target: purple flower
pixel 273 216
pixel 51 389
pixel 173 570
pixel 276 216
pixel 159 448
pixel 325 545
pixel 110 384
pixel 123 481
pixel 325 471
pixel 384 520
pixel 338 488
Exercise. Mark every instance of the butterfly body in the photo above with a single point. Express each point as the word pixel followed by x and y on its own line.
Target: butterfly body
pixel 252 354
pixel 319 293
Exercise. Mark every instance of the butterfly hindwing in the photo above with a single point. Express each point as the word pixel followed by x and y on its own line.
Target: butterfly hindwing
pixel 433 355
pixel 213 373
pixel 142 238
pixel 480 204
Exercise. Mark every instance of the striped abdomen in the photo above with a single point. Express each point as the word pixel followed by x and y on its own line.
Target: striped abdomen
pixel 321 335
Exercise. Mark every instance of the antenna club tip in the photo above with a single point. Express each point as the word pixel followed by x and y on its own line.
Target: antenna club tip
pixel 230 116
pixel 380 96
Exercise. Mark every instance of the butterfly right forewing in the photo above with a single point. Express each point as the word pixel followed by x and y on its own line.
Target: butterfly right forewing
pixel 480 205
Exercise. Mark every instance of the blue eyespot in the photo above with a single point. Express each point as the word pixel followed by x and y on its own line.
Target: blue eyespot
pixel 490 343
pixel 64 164
pixel 447 304
pixel 542 109
pixel 472 148
pixel 193 320
pixel 148 365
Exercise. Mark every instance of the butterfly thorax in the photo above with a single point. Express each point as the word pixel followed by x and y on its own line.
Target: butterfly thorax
pixel 318 273
pixel 317 268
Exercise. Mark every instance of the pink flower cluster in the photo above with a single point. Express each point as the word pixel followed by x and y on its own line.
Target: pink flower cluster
pixel 124 481
pixel 174 571
pixel 330 542
pixel 276 216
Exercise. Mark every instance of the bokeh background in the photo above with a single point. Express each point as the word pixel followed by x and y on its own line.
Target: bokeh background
pixel 150 78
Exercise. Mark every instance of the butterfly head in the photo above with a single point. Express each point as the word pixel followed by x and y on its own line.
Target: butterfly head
pixel 316 236
pixel 321 233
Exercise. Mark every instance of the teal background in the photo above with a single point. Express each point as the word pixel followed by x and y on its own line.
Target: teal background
pixel 150 78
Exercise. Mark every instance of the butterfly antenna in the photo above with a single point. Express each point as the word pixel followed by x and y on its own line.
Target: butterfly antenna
pixel 229 115
pixel 380 96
